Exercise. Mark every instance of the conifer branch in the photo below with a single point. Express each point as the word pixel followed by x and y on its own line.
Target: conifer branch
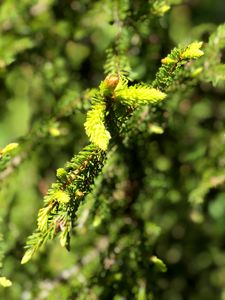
pixel 172 64
pixel 138 95
pixel 58 215
pixel 117 61
pixel 75 181
pixel 154 130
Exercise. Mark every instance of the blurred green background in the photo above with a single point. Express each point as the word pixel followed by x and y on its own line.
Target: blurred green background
pixel 50 53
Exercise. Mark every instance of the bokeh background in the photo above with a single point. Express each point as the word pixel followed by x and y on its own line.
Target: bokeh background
pixel 50 53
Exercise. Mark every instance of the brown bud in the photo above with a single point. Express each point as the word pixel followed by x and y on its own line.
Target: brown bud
pixel 111 81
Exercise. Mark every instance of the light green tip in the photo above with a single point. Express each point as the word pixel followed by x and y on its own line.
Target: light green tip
pixel 139 95
pixel 192 51
pixel 95 127
pixel 9 148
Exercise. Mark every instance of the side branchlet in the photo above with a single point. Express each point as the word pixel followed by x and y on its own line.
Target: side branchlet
pixel 172 64
pixel 73 183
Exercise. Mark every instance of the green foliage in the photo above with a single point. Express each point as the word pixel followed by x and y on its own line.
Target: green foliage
pixel 95 127
pixel 64 198
pixel 138 95
pixel 172 64
pixel 214 69
pixel 131 93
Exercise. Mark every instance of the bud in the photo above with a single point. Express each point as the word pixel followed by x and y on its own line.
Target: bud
pixel 111 81
pixel 109 84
